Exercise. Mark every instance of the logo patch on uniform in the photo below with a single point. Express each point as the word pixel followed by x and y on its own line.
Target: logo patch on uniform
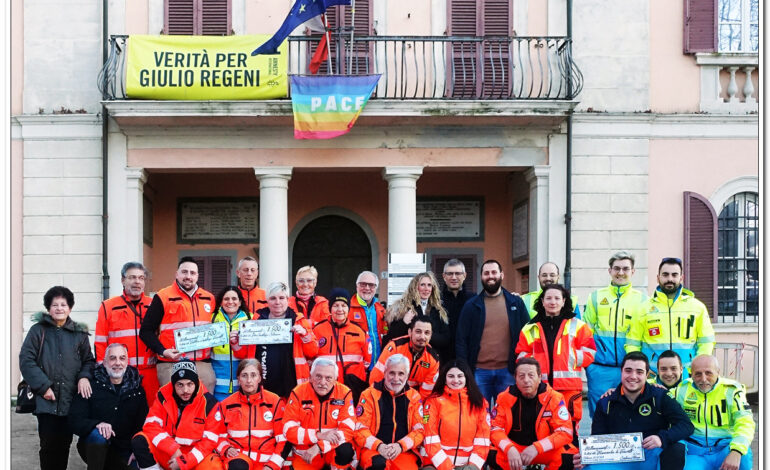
pixel 547 414
pixel 357 316
pixel 351 411
pixel 322 342
pixel 425 418
pixel 489 421
pixel 207 308
pixel 337 402
pixel 359 410
pixel 563 413
pixel 218 416
pixel 604 301
pixel 691 398
pixel 493 413
pixel 425 364
pixel 654 331
pixel 653 309
pixel 335 414
pixel 645 409
pixel 268 416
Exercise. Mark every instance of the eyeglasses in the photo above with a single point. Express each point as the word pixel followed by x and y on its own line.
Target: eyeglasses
pixel 619 269
pixel 367 285
pixel 135 278
pixel 454 274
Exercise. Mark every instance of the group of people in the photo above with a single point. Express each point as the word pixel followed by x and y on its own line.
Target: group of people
pixel 442 378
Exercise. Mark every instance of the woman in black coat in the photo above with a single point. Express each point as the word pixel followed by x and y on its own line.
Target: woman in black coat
pixel 421 297
pixel 54 371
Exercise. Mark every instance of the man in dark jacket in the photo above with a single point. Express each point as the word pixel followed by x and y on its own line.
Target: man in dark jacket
pixel 636 406
pixel 482 340
pixel 453 298
pixel 115 412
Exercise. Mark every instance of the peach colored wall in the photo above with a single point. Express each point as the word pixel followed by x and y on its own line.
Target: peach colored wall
pixel 17 323
pixel 364 193
pixel 674 76
pixel 265 16
pixel 537 18
pixel 408 18
pixel 17 56
pixel 688 165
pixel 137 14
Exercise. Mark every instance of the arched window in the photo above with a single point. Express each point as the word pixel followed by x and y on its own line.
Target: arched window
pixel 738 258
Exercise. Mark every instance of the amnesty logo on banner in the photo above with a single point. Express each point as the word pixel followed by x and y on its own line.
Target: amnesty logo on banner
pixel 204 68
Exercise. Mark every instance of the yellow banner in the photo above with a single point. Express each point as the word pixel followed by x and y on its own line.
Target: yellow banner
pixel 204 68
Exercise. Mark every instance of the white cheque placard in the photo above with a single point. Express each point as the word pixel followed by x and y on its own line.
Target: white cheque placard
pixel 265 331
pixel 611 448
pixel 201 337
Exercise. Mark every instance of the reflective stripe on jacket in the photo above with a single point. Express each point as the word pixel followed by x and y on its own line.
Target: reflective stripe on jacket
pixel 253 425
pixel 222 360
pixel 348 345
pixel 609 313
pixel 455 435
pixel 194 432
pixel 682 325
pixel 720 416
pixel 117 322
pixel 423 368
pixel 182 311
pixel 306 416
pixel 402 412
pixel 574 350
pixel 553 425
pixel 319 311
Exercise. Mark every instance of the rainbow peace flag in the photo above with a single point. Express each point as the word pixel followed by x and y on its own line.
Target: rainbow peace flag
pixel 326 106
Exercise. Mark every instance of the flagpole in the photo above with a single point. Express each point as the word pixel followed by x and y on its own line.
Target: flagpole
pixel 352 30
pixel 328 44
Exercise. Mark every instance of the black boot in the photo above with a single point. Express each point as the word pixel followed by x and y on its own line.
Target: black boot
pixel 96 456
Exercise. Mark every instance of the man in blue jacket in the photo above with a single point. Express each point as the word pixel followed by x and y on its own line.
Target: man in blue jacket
pixel 482 339
pixel 636 406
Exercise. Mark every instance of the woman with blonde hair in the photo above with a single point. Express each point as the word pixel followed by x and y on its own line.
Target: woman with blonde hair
pixel 421 297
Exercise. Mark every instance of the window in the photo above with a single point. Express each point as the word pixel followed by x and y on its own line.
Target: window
pixel 197 17
pixel 214 272
pixel 738 290
pixel 738 25
pixel 339 19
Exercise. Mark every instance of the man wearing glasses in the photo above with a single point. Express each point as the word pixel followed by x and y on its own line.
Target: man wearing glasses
pixel 453 297
pixel 547 274
pixel 672 319
pixel 367 313
pixel 119 321
pixel 609 312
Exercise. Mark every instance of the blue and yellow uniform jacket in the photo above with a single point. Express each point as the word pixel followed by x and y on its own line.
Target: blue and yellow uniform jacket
pixel 609 313
pixel 222 360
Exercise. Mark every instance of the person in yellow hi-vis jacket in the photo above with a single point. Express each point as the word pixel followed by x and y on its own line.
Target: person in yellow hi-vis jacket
pixel 724 426
pixel 671 319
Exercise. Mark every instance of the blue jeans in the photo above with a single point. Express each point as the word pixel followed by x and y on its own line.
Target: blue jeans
pixel 600 379
pixel 492 382
pixel 708 458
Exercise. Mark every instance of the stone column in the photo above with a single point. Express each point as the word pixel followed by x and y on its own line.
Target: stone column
pixel 402 207
pixel 133 249
pixel 273 223
pixel 538 178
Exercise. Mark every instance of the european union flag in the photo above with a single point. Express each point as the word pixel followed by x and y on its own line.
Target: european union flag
pixel 301 11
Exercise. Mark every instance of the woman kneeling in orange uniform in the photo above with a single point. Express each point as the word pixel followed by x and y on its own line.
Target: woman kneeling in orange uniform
pixel 457 422
pixel 251 433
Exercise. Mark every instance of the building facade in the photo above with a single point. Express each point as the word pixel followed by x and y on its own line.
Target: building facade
pixel 575 136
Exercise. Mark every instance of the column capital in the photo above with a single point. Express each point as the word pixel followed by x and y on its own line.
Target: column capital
pixel 391 172
pixel 536 173
pixel 273 171
pixel 136 174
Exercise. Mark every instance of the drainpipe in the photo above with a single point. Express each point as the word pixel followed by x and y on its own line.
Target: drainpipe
pixel 568 215
pixel 105 185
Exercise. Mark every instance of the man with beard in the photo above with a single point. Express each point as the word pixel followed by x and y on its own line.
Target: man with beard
pixel 482 339
pixel 634 406
pixel 389 421
pixel 414 346
pixel 672 319
pixel 119 321
pixel 180 430
pixel 546 275
pixel 115 411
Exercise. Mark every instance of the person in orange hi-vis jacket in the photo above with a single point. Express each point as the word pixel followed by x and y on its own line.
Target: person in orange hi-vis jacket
pixel 319 421
pixel 312 306
pixel 530 422
pixel 422 357
pixel 179 440
pixel 119 321
pixel 251 428
pixel 389 417
pixel 562 344
pixel 456 421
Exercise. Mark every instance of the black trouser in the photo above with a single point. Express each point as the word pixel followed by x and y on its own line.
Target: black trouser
pixel 55 441
pixel 672 457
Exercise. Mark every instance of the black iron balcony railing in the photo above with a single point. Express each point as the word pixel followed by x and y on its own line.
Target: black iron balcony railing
pixel 423 67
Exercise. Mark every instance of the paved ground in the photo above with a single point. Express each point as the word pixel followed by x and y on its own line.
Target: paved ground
pixel 24 442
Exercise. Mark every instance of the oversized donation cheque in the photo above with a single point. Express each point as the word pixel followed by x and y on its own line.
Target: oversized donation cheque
pixel 201 337
pixel 265 331
pixel 611 448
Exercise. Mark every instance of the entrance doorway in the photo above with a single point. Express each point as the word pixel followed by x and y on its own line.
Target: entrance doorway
pixel 337 247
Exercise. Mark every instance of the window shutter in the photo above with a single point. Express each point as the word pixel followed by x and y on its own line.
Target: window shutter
pixel 700 249
pixel 215 17
pixel 180 17
pixel 700 26
pixel 213 272
pixel 496 53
